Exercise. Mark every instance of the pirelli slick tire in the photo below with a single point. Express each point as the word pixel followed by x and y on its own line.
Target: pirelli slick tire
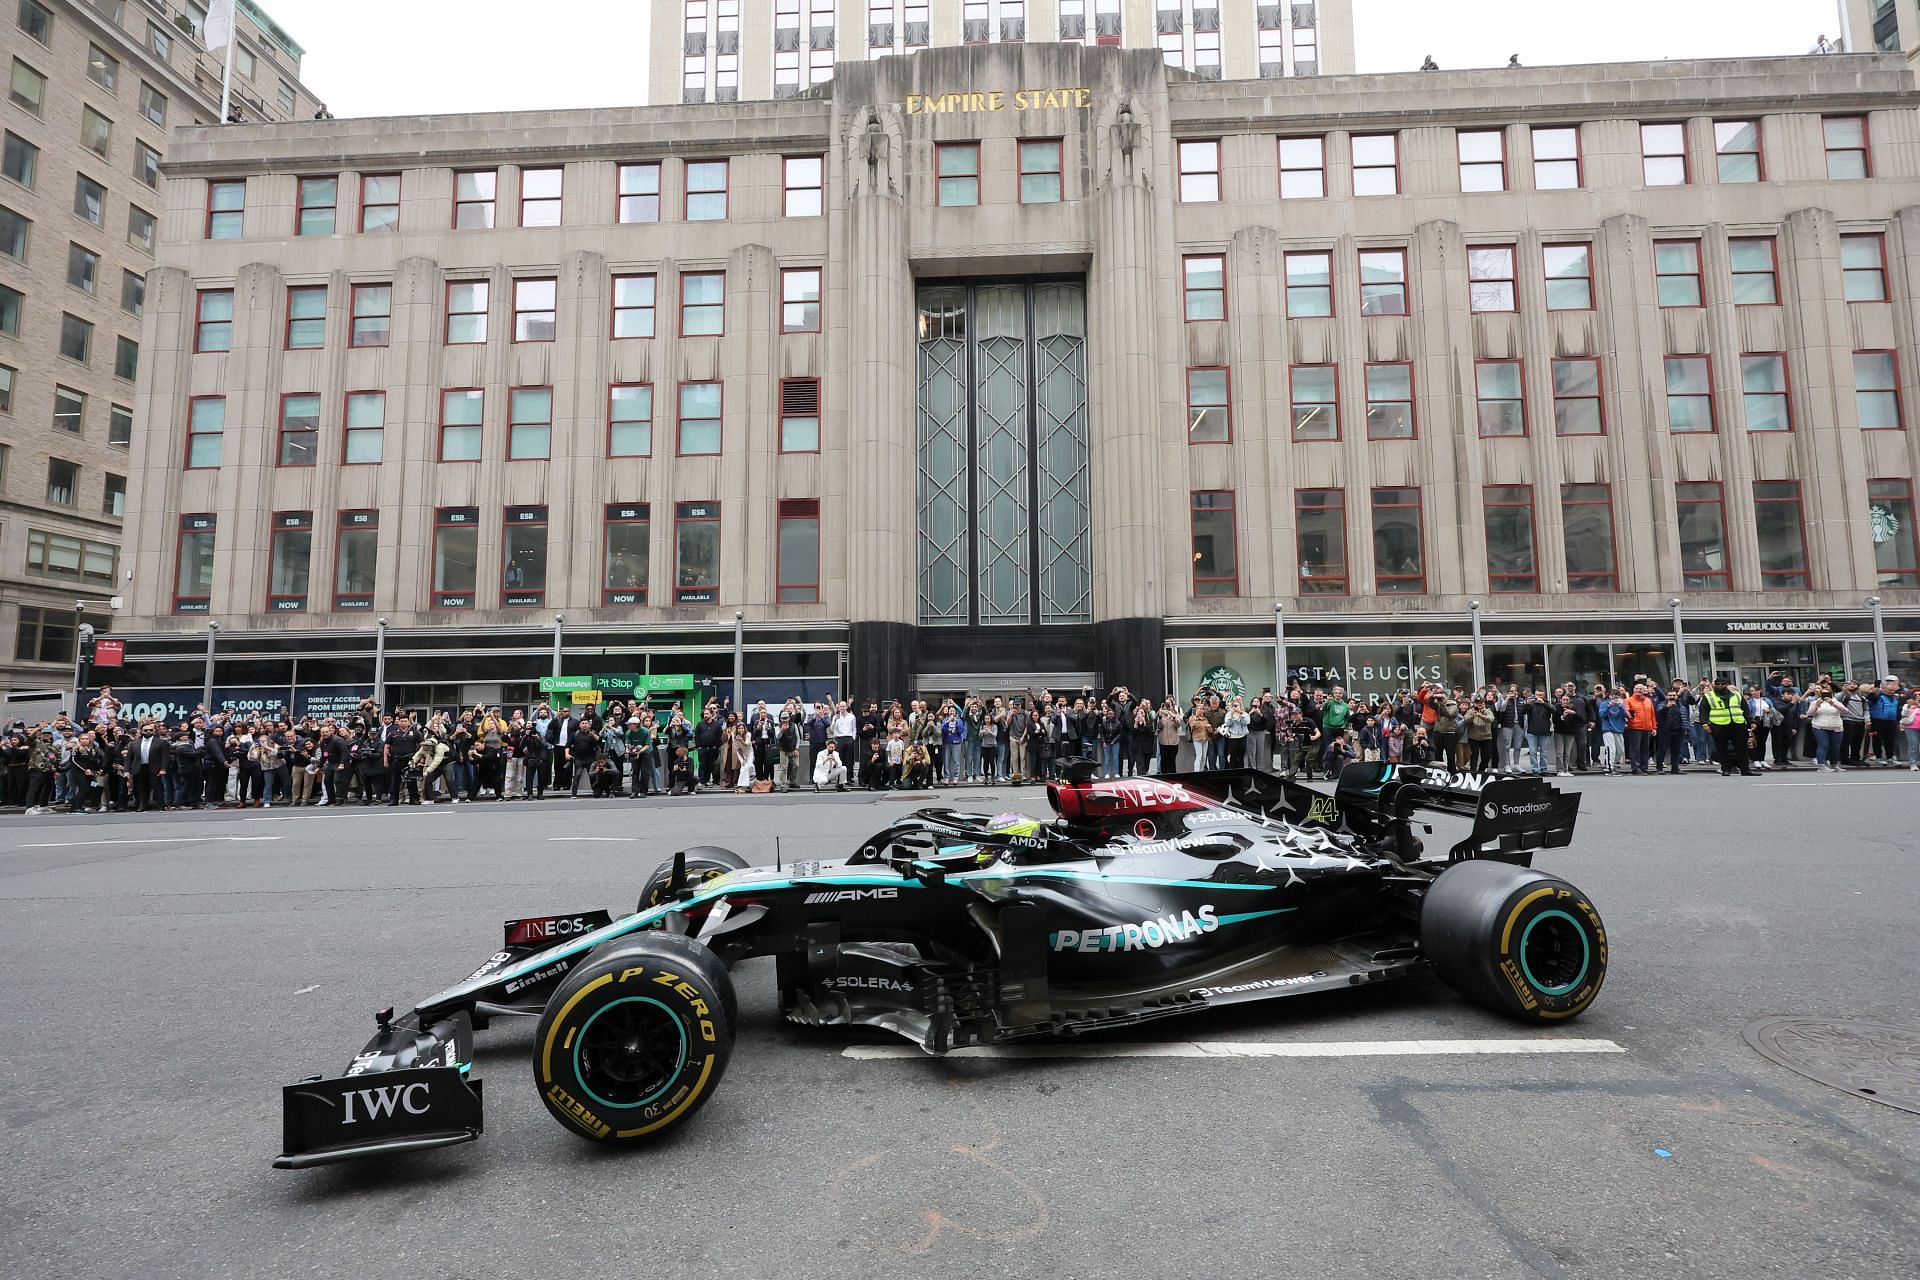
pixel 1515 940
pixel 636 1039
pixel 704 862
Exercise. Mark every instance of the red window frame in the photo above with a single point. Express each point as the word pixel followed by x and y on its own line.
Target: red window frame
pixel 520 517
pixel 1713 412
pixel 1375 505
pixel 789 188
pixel 1499 497
pixel 1319 171
pixel 1338 505
pixel 1201 582
pixel 1511 279
pixel 214 186
pixel 819 275
pixel 281 432
pixel 440 440
pixel 1772 273
pixel 300 205
pixel 513 422
pixel 558 199
pixel 1599 396
pixel 1577 159
pixel 286 337
pixel 446 324
pixel 724 191
pixel 353 520
pixel 1892 388
pixel 625 513
pixel 1902 577
pixel 491 202
pixel 1287 285
pixel 1191 150
pixel 1878 271
pixel 283 524
pixel 1593 581
pixel 1380 289
pixel 1702 493
pixel 1865 149
pixel 1786 385
pixel 367 203
pixel 519 311
pixel 680 420
pixel 186 460
pixel 1686 160
pixel 696 593
pixel 1058 173
pixel 1412 401
pixel 621 195
pixel 1226 404
pixel 1187 291
pixel 796 511
pixel 653 411
pixel 685 278
pixel 1546 271
pixel 1697 275
pixel 1759 152
pixel 1392 168
pixel 794 404
pixel 1526 422
pixel 347 431
pixel 1294 402
pixel 453 518
pixel 201 324
pixel 1800 579
pixel 355 315
pixel 652 308
pixel 1460 137
pixel 941 177
pixel 190 524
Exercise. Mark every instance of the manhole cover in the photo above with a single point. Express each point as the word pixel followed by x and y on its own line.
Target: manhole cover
pixel 1869 1060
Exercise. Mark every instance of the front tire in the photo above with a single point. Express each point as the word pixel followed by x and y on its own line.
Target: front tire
pixel 704 862
pixel 636 1039
pixel 1514 940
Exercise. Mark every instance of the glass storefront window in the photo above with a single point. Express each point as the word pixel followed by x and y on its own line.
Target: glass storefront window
pixel 1515 664
pixel 1243 670
pixel 1584 664
pixel 1316 666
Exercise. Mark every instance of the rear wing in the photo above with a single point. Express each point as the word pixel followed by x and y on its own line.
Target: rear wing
pixel 1513 816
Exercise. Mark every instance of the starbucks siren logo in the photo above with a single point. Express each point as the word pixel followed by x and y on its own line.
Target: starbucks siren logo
pixel 1884 523
pixel 1226 680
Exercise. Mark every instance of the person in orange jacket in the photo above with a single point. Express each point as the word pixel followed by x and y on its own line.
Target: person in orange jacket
pixel 1643 720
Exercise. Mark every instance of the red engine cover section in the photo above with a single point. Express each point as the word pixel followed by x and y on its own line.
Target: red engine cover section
pixel 1122 798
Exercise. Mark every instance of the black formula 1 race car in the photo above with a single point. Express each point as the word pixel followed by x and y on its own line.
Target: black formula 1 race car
pixel 1144 897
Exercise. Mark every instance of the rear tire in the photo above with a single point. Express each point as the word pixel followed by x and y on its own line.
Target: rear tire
pixel 704 862
pixel 1514 940
pixel 636 1039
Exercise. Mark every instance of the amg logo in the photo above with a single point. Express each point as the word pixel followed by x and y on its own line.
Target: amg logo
pixel 850 895
pixel 377 1104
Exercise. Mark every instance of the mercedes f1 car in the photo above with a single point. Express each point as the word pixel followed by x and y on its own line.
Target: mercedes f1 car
pixel 1142 898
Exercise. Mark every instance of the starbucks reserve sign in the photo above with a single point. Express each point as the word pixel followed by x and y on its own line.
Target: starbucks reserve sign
pixel 1070 99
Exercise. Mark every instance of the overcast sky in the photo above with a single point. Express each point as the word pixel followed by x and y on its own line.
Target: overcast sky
pixel 398 57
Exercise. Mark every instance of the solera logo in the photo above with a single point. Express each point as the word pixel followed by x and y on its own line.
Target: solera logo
pixel 387 1100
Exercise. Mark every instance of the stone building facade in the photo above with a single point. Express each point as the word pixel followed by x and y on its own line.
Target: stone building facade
pixel 1039 362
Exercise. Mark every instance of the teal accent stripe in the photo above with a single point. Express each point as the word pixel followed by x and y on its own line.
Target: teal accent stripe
pixel 1253 915
pixel 1094 875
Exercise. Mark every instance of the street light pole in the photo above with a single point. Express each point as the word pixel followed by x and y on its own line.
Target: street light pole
pixel 739 661
pixel 1679 643
pixel 559 621
pixel 1479 657
pixel 1880 671
pixel 380 667
pixel 206 683
pixel 82 639
pixel 1280 682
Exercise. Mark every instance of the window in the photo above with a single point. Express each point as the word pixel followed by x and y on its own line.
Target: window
pixel 76 338
pixel 96 132
pixel 299 429
pixel 126 358
pixel 633 306
pixel 119 426
pixel 1703 537
pixel 44 636
pixel 1569 269
pixel 140 223
pixel 1576 398
pixel 159 41
pixel 800 415
pixel 193 575
pixel 11 303
pixel 696 552
pixel 798 580
pixel 113 496
pixel 1663 155
pixel 1383 282
pixel 1320 524
pixel 1754 282
pixel 1376 164
pixel 456 557
pixel 1863 267
pixel 1556 163
pixel 1209 417
pixel 133 293
pixel 1876 390
pixel 1309 284
pixel 63 481
pixel 1399 564
pixel 473 194
pixel 800 300
pixel 153 105
pixel 1676 266
pixel 1199 172
pixel 28 88
pixel 802 177
pixel 699 418
pixel 146 163
pixel 206 429
pixel 467 302
pixel 1316 402
pixel 529 422
pixel 623 578
pixel 461 410
pixel 639 197
pixel 226 210
pixel 1303 168
pixel 1689 394
pixel 372 315
pixel 83 264
pixel 1490 279
pixel 1846 139
pixel 366 423
pixel 1783 540
pixel 36 20
pixel 1483 159
pixel 1736 147
pixel 706 190
pixel 534 310
pixel 1040 171
pixel 290 562
pixel 379 202
pixel 356 556
pixel 90 202
pixel 13 237
pixel 959 173
pixel 1511 563
pixel 19 160
pixel 1502 406
pixel 703 303
pixel 57 555
pixel 6 401
pixel 284 95
pixel 523 558
pixel 629 420
pixel 306 317
pixel 1586 524
pixel 1890 523
pixel 1206 288
pixel 69 409
pixel 540 197
pixel 1390 413
pixel 1216 562
pixel 1763 393
pixel 243 61
pixel 102 67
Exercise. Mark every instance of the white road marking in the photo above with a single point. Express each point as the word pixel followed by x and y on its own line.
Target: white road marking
pixel 1246 1049
pixel 1832 782
pixel 74 844
pixel 585 839
pixel 304 990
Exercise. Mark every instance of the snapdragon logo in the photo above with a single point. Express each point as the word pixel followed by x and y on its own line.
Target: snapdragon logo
pixel 1144 936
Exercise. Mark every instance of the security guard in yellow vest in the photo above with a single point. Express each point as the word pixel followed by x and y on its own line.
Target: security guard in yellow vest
pixel 1727 722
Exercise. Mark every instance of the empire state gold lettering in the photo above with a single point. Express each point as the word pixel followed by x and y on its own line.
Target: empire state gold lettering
pixel 920 104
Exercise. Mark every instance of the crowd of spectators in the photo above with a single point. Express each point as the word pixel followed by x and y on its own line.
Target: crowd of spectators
pixel 375 756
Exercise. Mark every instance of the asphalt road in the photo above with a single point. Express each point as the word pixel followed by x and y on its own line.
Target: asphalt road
pixel 157 994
